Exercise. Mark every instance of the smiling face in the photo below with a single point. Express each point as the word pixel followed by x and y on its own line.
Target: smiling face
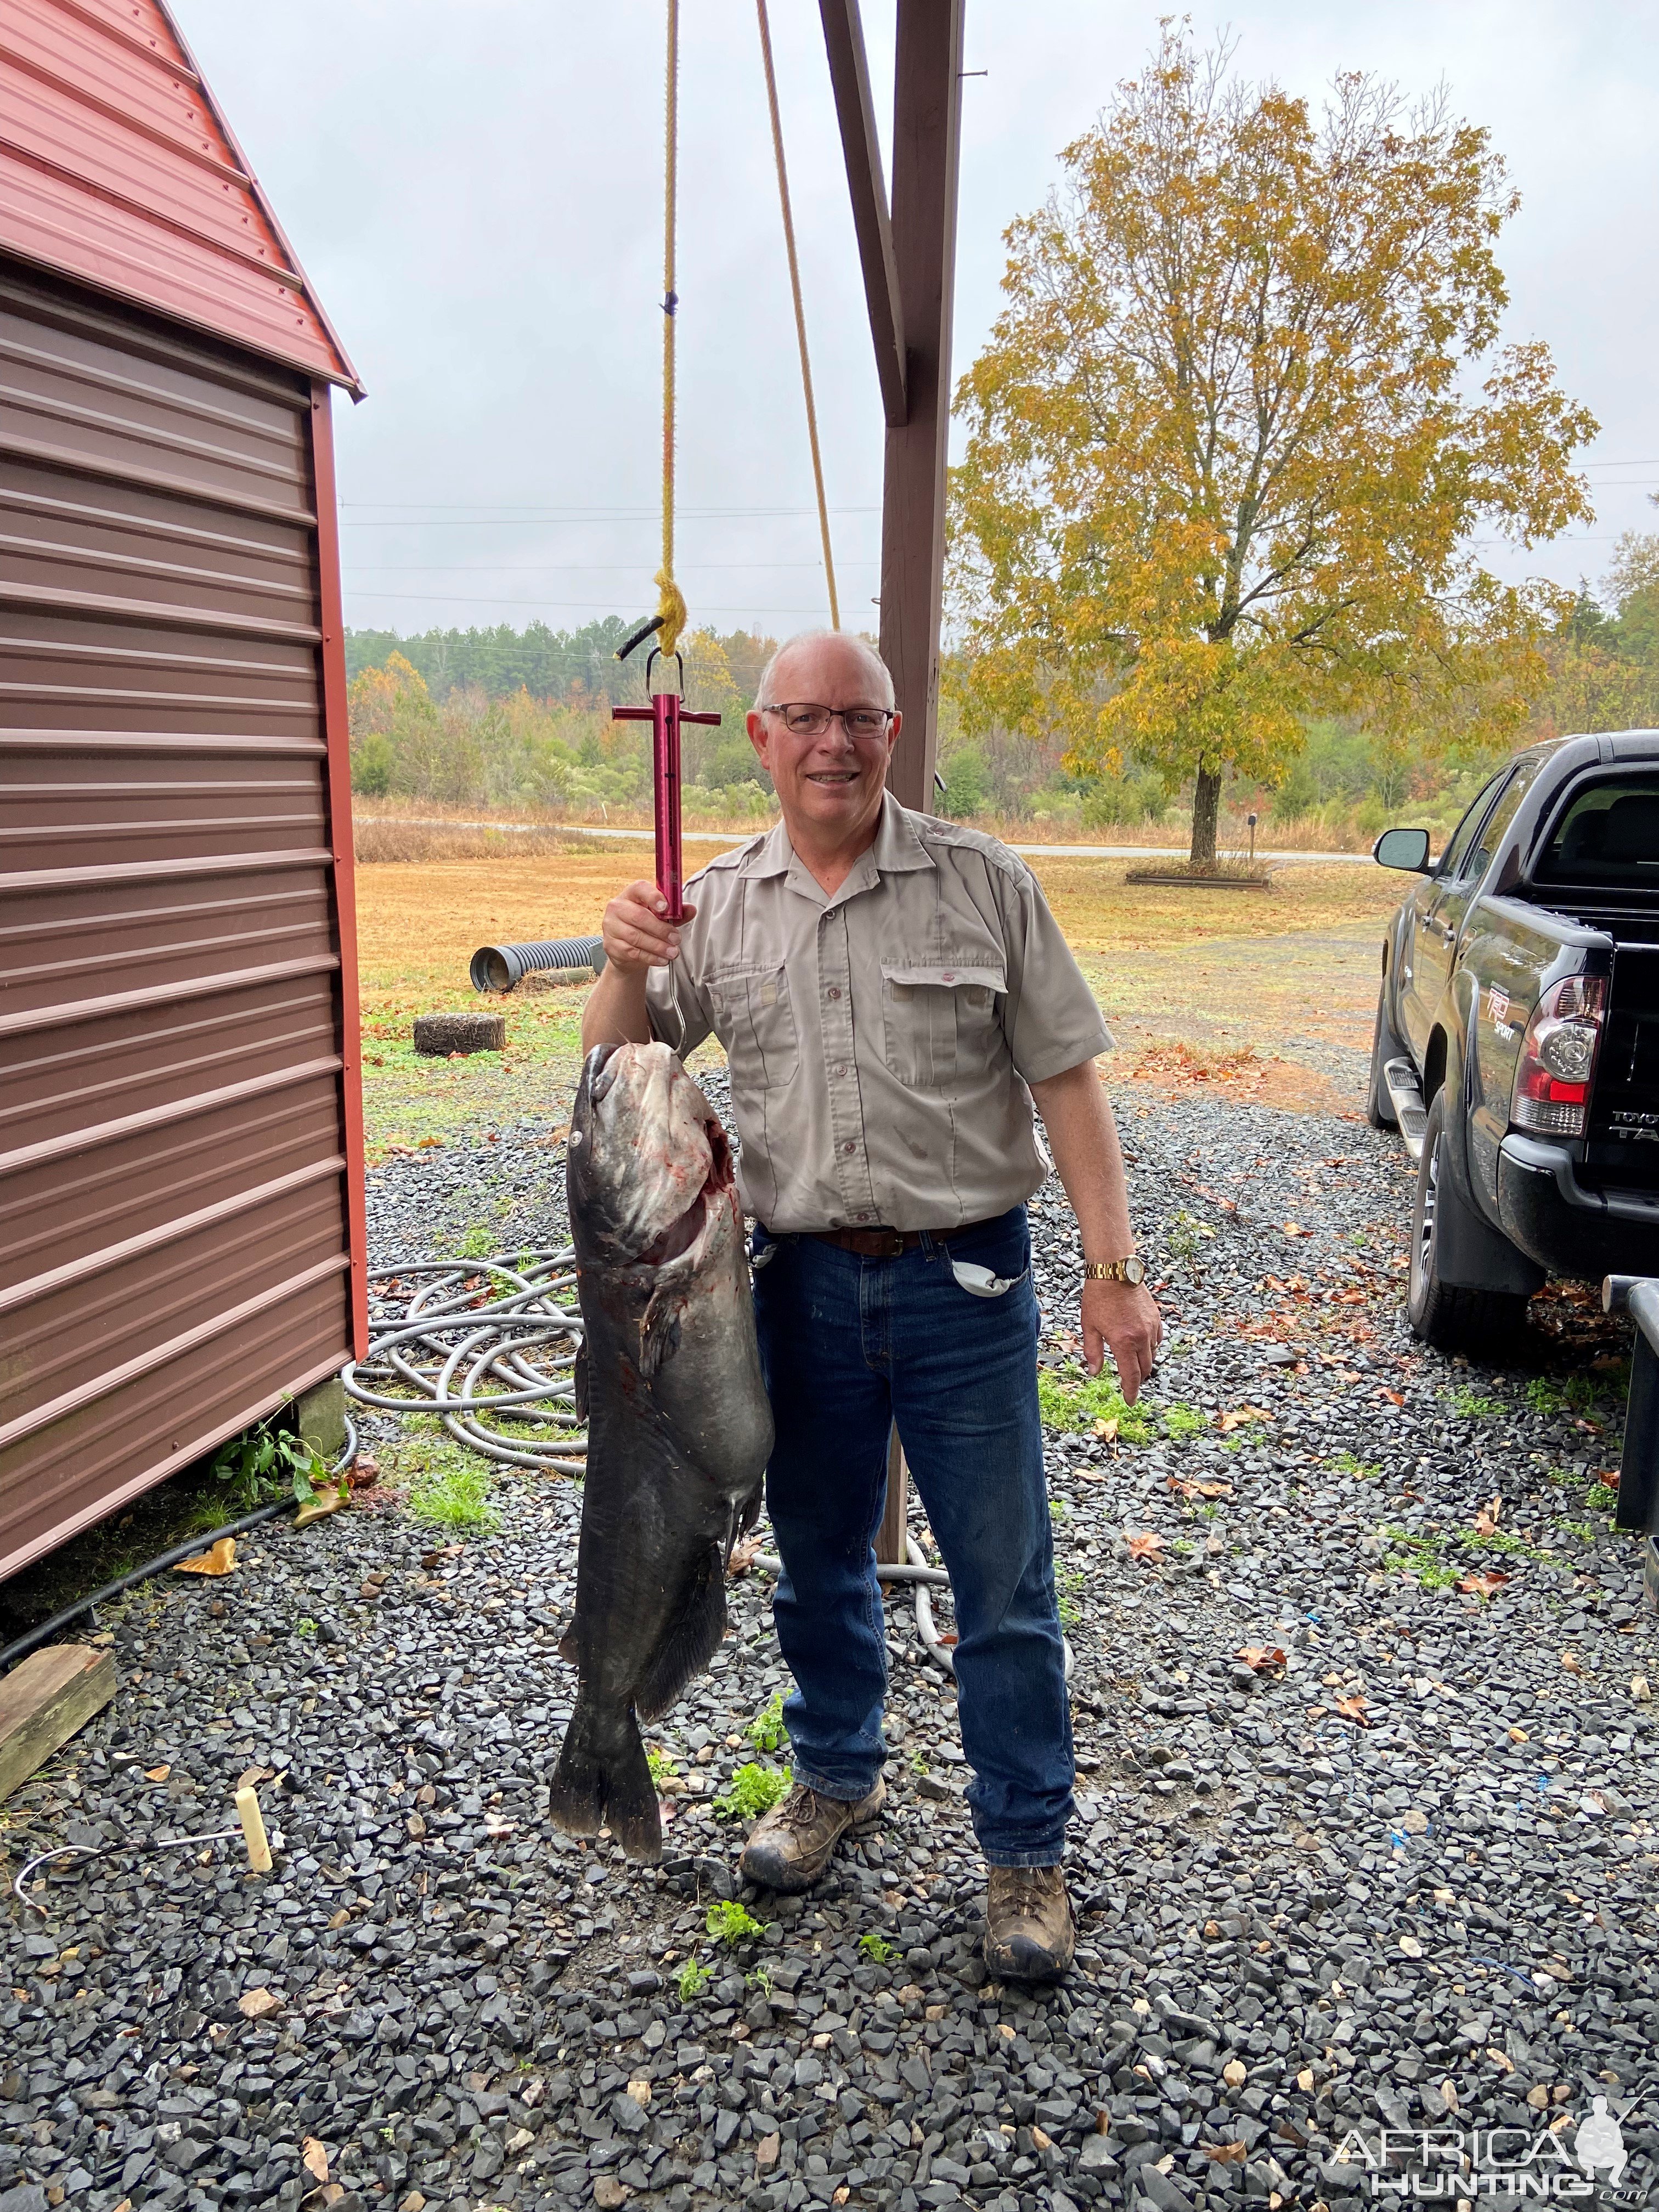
pixel 829 786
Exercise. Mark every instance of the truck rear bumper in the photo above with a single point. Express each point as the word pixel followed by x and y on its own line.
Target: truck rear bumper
pixel 1567 1227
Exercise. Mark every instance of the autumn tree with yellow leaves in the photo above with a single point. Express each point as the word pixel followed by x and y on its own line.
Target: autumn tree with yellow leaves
pixel 1237 429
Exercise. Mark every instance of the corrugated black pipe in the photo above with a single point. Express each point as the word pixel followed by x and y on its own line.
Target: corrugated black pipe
pixel 500 967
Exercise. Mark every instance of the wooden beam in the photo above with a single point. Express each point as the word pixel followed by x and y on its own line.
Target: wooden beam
pixel 42 1701
pixel 849 75
pixel 927 111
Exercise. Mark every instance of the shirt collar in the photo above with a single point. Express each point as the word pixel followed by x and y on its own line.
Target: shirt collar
pixel 898 849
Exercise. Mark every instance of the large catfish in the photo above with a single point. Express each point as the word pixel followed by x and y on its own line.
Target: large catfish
pixel 679 1431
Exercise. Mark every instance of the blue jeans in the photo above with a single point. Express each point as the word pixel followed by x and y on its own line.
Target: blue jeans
pixel 849 1346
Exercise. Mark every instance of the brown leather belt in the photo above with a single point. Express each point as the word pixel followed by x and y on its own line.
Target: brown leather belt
pixel 890 1243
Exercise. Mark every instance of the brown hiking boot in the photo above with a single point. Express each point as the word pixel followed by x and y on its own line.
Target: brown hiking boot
pixel 1030 1933
pixel 791 1846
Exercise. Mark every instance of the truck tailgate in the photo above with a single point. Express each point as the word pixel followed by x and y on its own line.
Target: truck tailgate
pixel 1623 1147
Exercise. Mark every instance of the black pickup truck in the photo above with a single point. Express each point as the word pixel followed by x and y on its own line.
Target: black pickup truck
pixel 1517 1036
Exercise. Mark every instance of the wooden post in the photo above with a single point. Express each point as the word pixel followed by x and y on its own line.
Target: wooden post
pixel 927 109
pixel 909 283
pixel 42 1701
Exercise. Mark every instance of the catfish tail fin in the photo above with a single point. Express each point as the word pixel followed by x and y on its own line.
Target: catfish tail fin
pixel 603 1780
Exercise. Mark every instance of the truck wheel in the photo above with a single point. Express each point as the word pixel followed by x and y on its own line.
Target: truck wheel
pixel 1385 1047
pixel 1448 1316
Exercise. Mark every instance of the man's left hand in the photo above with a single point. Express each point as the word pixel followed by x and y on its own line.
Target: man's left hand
pixel 1124 1318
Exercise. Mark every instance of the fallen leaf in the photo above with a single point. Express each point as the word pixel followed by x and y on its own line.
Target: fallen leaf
pixel 325 1501
pixel 1147 1546
pixel 157 1773
pixel 1354 1709
pixel 1488 1516
pixel 259 2004
pixel 315 2159
pixel 1227 2154
pixel 1295 1228
pixel 219 1560
pixel 1570 1660
pixel 1394 1397
pixel 1519 1736
pixel 1485 1584
pixel 1261 1658
pixel 743 1556
pixel 1106 1431
pixel 1235 2074
pixel 251 1775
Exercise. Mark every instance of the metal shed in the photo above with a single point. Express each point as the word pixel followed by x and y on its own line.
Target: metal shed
pixel 181 1225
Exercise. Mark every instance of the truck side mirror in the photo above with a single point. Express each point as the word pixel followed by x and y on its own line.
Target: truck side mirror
pixel 1402 848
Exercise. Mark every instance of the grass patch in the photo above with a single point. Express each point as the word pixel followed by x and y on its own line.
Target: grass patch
pixel 1421 1557
pixel 1071 1402
pixel 1600 1497
pixel 478 1243
pixel 661 1766
pixel 692 1979
pixel 752 1790
pixel 877 1948
pixel 1362 1470
pixel 728 1922
pixel 1070 1594
pixel 1575 1395
pixel 454 1494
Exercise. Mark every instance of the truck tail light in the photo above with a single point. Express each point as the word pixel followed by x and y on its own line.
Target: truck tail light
pixel 1557 1057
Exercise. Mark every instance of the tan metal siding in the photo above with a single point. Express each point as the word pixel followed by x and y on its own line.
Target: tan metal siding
pixel 174 1239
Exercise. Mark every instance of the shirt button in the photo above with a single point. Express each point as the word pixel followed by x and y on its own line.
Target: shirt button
pixel 849 1147
pixel 833 992
pixel 840 1068
pixel 864 1216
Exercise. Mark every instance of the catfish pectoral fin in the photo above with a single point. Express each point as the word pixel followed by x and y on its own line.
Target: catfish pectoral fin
pixel 603 1780
pixel 690 1640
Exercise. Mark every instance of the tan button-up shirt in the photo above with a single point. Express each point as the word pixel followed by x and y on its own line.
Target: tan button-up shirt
pixel 880 1042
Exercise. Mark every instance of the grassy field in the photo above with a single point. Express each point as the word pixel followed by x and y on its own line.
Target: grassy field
pixel 1266 997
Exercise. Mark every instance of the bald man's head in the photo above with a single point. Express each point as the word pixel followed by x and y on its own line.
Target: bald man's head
pixel 809 665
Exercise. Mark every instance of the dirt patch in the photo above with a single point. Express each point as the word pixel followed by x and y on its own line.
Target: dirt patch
pixel 1245 1076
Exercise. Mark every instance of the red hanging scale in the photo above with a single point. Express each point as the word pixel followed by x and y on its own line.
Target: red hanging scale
pixel 666 712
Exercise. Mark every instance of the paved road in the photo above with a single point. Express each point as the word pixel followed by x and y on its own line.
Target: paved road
pixel 726 839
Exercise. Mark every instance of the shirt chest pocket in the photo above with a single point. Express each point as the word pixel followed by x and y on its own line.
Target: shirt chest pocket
pixel 756 1023
pixel 938 1018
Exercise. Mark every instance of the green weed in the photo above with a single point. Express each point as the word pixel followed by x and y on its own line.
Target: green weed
pixel 1600 1497
pixel 478 1243
pixel 877 1948
pixel 918 1762
pixel 753 1790
pixel 1474 1407
pixel 728 1922
pixel 453 1496
pixel 1575 1395
pixel 766 1730
pixel 263 1459
pixel 1071 1402
pixel 1361 1470
pixel 662 1766
pixel 760 1979
pixel 305 1626
pixel 1581 1529
pixel 1419 1556
pixel 692 1979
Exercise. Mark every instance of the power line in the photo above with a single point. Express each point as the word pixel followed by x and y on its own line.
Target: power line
pixel 583 606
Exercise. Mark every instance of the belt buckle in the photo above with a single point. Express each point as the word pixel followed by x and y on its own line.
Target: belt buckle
pixel 892 1243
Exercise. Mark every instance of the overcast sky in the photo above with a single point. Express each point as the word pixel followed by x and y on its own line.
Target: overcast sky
pixel 474 189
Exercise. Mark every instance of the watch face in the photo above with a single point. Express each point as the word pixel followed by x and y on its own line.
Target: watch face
pixel 1134 1271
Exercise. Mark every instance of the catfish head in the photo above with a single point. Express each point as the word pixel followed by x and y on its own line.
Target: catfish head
pixel 648 1166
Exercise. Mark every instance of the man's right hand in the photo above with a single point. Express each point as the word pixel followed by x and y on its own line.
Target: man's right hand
pixel 637 934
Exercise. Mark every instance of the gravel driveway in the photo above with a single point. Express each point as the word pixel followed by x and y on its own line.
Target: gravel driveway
pixel 1393 1870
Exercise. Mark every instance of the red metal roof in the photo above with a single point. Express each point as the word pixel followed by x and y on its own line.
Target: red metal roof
pixel 117 167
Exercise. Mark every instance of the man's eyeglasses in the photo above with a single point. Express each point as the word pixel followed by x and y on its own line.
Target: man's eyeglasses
pixel 805 721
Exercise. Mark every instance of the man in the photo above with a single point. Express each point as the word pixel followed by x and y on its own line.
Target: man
pixel 892 993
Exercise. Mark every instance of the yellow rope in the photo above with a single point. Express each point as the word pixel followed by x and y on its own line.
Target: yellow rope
pixel 671 605
pixel 801 312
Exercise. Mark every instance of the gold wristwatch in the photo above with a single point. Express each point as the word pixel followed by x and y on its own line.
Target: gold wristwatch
pixel 1114 1271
